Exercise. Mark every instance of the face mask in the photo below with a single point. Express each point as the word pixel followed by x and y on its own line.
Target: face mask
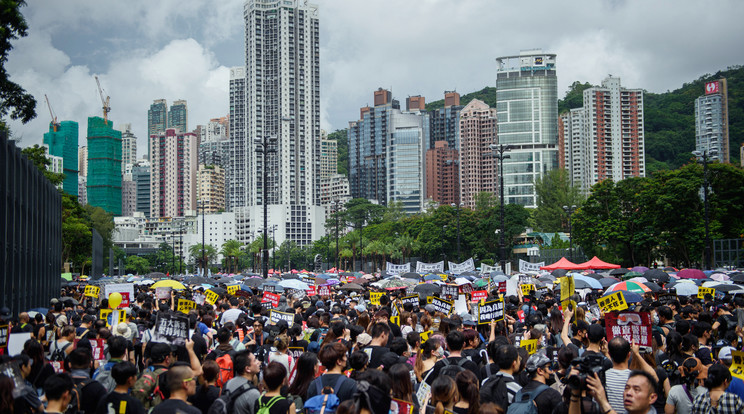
pixel 439 352
pixel 550 381
pixel 656 319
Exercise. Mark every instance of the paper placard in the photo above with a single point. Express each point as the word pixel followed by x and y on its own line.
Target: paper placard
pixel 450 292
pixel 199 298
pixel 125 289
pixel 458 268
pixel 16 341
pixel 635 327
pixel 211 297
pixel 395 269
pixel 527 288
pixel 422 267
pixel 395 320
pixel 171 328
pixel 400 406
pixel 702 291
pixel 461 305
pixel 232 289
pixel 104 315
pixel 185 305
pixel 567 287
pixel 413 300
pixel 529 267
pixel 275 316
pixel 163 292
pixel 613 302
pixel 490 311
pixel 269 288
pixel 425 336
pixel 324 291
pixel 477 295
pixel 374 297
pixel 4 331
pixel 529 344
pixel 97 347
pixel 311 291
pixel 442 305
pixel 92 291
pixel 272 298
pixel 737 365
pixel 466 288
pixel 119 316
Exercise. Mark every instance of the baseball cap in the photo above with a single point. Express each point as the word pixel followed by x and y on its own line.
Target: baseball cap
pixel 159 352
pixel 725 353
pixel 364 339
pixel 360 308
pixel 536 361
pixel 467 320
pixel 4 312
pixel 319 304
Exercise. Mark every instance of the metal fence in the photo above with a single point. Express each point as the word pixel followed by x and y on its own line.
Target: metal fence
pixel 728 253
pixel 30 233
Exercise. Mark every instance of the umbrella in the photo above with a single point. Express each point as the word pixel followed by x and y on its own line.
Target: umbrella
pixel 277 288
pixel 294 284
pixel 432 276
pixel 197 280
pixel 639 279
pixel 630 297
pixel 629 286
pixel 607 281
pixel 639 269
pixel 559 272
pixel 394 282
pixel 427 288
pixel 588 281
pixel 411 275
pixel 620 271
pixel 64 299
pixel 726 288
pixel 481 282
pixel 499 278
pixel 653 286
pixel 657 275
pixel 168 283
pixel 352 286
pixel 254 282
pixel 630 275
pixel 582 284
pixel 721 277
pixel 461 281
pixel 547 279
pixel 737 277
pixel 684 288
pixel 156 275
pixel 670 269
pixel 691 274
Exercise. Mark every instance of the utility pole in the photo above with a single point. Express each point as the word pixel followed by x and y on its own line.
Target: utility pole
pixel 264 148
pixel 498 153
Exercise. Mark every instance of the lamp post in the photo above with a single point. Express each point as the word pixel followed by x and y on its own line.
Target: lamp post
pixel 180 250
pixel 569 211
pixel 336 205
pixel 444 253
pixel 498 153
pixel 459 206
pixel 273 246
pixel 704 157
pixel 264 148
pixel 200 203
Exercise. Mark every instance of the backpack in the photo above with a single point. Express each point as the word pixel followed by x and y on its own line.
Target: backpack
pixel 494 390
pixel 77 396
pixel 147 388
pixel 524 402
pixel 226 402
pixel 104 377
pixel 225 363
pixel 450 369
pixel 325 401
pixel 266 409
pixel 59 354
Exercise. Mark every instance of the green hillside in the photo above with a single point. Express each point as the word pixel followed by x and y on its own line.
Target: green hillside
pixel 487 95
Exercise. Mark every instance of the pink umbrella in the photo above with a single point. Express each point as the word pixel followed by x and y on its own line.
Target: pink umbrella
pixel 721 277
pixel 639 269
pixel 691 274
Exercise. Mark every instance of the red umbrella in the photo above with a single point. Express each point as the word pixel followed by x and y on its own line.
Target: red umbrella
pixel 691 274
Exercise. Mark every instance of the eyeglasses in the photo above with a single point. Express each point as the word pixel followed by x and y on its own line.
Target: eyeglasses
pixel 189 379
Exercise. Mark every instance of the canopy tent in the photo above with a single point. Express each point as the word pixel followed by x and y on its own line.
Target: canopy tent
pixel 596 263
pixel 562 264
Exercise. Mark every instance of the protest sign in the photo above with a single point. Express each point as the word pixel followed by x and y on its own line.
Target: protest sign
pixel 311 291
pixel 395 320
pixel 104 315
pixel 232 289
pixel 449 291
pixel 125 289
pixel 413 300
pixel 171 328
pixel 295 351
pixel 163 292
pixel 567 287
pixel 96 346
pixel 119 316
pixel 477 295
pixel 396 269
pixel 324 291
pixel 702 291
pixel 529 267
pixel 466 288
pixel 502 287
pixel 199 298
pixel 461 305
pixel 273 298
pixel 266 305
pixel 665 298
pixel 16 341
pixel 529 344
pixel 211 297
pixel 490 311
pixel 400 407
pixel 410 290
pixel 185 305
pixel 527 288
pixel 437 267
pixel 425 336
pixel 4 331
pixel 442 305
pixel 612 302
pixel 737 364
pixel 275 316
pixel 635 327
pixel 92 291
pixel 459 268
pixel 374 297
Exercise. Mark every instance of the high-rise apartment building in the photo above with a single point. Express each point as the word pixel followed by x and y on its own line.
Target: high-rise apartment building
pixel 173 170
pixel 83 161
pixel 178 116
pixel 443 174
pixel 527 111
pixel 128 147
pixel 62 141
pixel 211 188
pixel 157 119
pixel 82 189
pixel 128 195
pixel 328 158
pixel 605 138
pixel 283 104
pixel 415 103
pixel 104 165
pixel 406 182
pixel 214 143
pixel 141 176
pixel 477 133
pixel 236 177
pixel 711 121
pixel 444 123
pixel 334 189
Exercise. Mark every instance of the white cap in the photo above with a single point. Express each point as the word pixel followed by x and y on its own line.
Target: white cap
pixel 725 352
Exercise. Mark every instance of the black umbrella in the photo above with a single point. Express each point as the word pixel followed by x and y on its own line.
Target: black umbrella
pixel 657 275
pixel 559 272
pixel 726 288
pixel 411 275
pixel 254 282
pixel 620 271
pixel 427 288
pixel 352 286
pixel 155 275
pixel 737 277
pixel 218 290
pixel 64 299
pixel 198 280
pixel 653 286
pixel 287 276
pixel 596 275
pixel 607 281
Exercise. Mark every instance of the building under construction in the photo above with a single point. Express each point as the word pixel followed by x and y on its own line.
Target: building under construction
pixel 104 165
pixel 62 140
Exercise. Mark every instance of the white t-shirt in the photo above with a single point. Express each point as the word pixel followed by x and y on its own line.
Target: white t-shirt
pixel 680 400
pixel 615 380
pixel 230 315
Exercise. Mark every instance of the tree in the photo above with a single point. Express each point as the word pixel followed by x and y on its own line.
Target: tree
pixel 232 251
pixel 76 233
pixel 196 252
pixel 137 265
pixel 37 155
pixel 13 98
pixel 554 190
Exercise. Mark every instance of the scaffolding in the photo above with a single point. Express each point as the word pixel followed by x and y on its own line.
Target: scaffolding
pixel 104 165
pixel 64 143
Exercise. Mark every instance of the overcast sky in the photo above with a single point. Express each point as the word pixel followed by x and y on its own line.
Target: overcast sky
pixel 182 49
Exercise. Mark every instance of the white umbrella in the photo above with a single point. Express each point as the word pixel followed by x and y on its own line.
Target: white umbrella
pixel 293 284
pixel 461 281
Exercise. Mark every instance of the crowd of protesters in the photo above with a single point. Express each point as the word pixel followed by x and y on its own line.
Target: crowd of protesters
pixel 343 354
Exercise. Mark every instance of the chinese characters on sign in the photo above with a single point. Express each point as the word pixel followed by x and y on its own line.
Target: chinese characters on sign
pixel 92 291
pixel 276 316
pixel 633 326
pixel 171 328
pixel 491 311
pixel 613 302
pixel 374 297
pixel 442 305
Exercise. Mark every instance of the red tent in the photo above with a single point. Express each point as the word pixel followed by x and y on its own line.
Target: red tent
pixel 563 264
pixel 596 263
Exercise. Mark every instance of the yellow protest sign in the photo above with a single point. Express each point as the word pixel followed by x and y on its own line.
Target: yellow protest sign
pixel 92 291
pixel 120 316
pixel 104 314
pixel 529 344
pixel 374 297
pixel 613 302
pixel 429 299
pixel 567 287
pixel 527 288
pixel 211 297
pixel 444 277
pixel 395 320
pixel 232 289
pixel 185 305
pixel 702 291
pixel 425 336
pixel 737 366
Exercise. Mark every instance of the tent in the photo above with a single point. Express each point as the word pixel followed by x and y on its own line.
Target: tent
pixel 562 264
pixel 596 263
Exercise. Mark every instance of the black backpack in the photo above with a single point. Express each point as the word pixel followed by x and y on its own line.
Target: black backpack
pixel 59 354
pixel 451 369
pixel 77 396
pixel 226 403
pixel 494 390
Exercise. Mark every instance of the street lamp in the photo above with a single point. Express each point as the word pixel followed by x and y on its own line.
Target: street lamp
pixel 444 253
pixel 704 157
pixel 204 237
pixel 459 206
pixel 498 153
pixel 336 207
pixel 264 148
pixel 273 246
pixel 569 211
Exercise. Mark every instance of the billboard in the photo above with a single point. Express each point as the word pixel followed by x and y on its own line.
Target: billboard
pixel 712 87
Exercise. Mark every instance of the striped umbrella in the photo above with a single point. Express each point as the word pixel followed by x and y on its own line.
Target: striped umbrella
pixel 629 287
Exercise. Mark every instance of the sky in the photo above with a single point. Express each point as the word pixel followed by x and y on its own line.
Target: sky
pixel 144 50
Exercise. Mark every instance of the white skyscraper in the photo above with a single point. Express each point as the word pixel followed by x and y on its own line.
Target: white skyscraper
pixel 236 177
pixel 283 103
pixel 128 147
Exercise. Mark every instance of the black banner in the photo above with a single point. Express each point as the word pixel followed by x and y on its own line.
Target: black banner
pixel 491 311
pixel 442 305
pixel 171 328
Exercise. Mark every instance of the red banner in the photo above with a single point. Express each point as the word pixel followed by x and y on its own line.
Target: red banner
pixel 272 298
pixel 311 291
pixel 324 291
pixel 350 278
pixel 633 326
pixel 712 87
pixel 124 300
pixel 477 295
pixel 502 287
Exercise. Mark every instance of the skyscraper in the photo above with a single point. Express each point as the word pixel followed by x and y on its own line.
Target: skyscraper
pixel 141 176
pixel 64 143
pixel 211 188
pixel 443 174
pixel 711 121
pixel 527 111
pixel 477 134
pixel 178 116
pixel 283 103
pixel 157 120
pixel 328 158
pixel 128 147
pixel 173 170
pixel 236 174
pixel 83 161
pixel 104 165
pixel 444 123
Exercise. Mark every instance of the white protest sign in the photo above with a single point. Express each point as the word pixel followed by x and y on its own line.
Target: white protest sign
pixel 437 267
pixel 16 341
pixel 529 267
pixel 458 268
pixel 396 269
pixel 126 290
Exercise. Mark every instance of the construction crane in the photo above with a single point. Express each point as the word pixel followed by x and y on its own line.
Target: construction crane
pixel 105 102
pixel 55 124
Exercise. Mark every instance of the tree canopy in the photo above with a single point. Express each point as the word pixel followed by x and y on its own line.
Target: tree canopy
pixel 13 98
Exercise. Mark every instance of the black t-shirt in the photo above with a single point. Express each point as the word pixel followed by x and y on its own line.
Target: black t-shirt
pixel 204 397
pixel 26 327
pixel 173 406
pixel 200 346
pixel 299 344
pixel 280 406
pixel 92 394
pixel 726 322
pixel 118 403
pixel 375 354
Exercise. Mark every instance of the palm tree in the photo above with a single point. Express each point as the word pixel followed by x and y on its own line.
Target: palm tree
pixel 231 249
pixel 346 254
pixel 406 244
pixel 209 252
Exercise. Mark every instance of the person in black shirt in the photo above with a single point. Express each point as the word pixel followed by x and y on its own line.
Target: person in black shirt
pixel 81 361
pixel 119 401
pixel 540 370
pixel 380 333
pixel 181 383
pixel 207 392
pixel 274 376
pixel 455 342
